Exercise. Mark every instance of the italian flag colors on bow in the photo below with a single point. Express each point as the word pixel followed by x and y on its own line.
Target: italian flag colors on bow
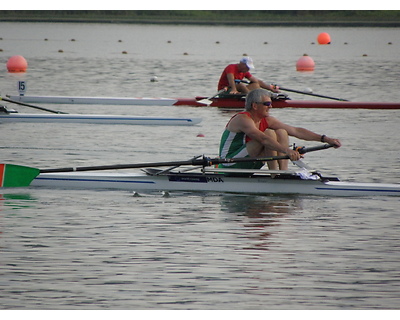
pixel 15 176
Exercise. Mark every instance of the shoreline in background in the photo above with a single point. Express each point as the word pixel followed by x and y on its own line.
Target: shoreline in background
pixel 289 18
pixel 388 24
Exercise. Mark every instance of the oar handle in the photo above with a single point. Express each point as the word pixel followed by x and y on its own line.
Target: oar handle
pixel 304 150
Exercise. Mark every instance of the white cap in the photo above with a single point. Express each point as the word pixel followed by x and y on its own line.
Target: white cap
pixel 248 62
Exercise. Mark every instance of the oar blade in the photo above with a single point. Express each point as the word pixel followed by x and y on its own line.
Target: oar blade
pixel 12 175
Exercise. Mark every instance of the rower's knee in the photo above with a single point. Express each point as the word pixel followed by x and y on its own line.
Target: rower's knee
pixel 271 133
pixel 282 136
pixel 253 86
pixel 241 87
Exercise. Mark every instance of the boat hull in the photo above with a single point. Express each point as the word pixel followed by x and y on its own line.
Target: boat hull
pixel 200 182
pixel 239 103
pixel 97 119
pixel 220 102
pixel 95 100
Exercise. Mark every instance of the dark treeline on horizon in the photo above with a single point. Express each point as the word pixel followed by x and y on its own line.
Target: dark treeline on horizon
pixel 205 16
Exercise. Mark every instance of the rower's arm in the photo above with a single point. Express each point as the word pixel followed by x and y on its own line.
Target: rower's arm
pixel 264 85
pixel 232 83
pixel 304 134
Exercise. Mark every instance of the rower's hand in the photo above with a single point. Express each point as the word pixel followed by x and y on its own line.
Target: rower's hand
pixel 333 142
pixel 293 154
pixel 274 88
pixel 233 91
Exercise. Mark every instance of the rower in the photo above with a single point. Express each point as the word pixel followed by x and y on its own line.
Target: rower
pixel 230 80
pixel 255 133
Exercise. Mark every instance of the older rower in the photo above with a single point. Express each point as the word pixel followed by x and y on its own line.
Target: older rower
pixel 254 133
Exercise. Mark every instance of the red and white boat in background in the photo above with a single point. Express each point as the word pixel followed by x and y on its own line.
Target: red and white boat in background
pixel 223 101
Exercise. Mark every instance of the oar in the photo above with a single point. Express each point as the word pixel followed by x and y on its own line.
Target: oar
pixel 31 106
pixel 311 94
pixel 205 162
pixel 21 176
pixel 208 100
pixel 300 92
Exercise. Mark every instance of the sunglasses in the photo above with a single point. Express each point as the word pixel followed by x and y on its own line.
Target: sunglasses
pixel 266 103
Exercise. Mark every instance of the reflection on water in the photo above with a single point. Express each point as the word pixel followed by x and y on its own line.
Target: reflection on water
pixel 16 201
pixel 254 206
pixel 264 215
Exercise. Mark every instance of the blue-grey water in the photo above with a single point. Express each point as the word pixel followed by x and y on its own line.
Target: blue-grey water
pixel 70 249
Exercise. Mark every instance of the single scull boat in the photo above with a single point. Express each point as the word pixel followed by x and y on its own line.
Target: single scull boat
pixel 224 101
pixel 216 180
pixel 7 116
pixel 197 174
pixel 95 100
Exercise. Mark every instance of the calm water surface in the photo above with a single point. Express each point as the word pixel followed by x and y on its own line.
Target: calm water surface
pixel 69 249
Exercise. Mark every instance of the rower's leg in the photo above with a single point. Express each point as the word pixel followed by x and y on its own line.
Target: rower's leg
pixel 253 86
pixel 283 138
pixel 246 88
pixel 272 165
pixel 241 87
pixel 256 149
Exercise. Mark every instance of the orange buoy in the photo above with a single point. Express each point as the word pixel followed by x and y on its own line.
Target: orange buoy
pixel 17 64
pixel 324 38
pixel 305 63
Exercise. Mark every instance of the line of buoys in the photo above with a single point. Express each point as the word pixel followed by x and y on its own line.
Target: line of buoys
pixel 17 64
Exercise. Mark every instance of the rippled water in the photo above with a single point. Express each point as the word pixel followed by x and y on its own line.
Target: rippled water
pixel 69 249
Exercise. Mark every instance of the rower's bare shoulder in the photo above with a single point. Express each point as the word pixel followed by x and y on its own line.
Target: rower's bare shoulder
pixel 274 123
pixel 240 122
